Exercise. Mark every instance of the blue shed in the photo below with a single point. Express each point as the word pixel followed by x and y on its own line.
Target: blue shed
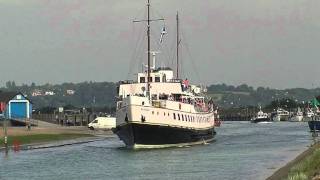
pixel 14 105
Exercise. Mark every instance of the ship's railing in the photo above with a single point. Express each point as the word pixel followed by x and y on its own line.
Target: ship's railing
pixel 197 107
pixel 127 82
pixel 202 108
pixel 174 80
pixel 159 104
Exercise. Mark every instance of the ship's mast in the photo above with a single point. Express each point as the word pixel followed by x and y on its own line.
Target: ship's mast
pixel 148 34
pixel 178 41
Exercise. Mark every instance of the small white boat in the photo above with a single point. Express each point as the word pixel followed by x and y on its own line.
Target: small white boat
pixel 280 115
pixel 260 117
pixel 297 117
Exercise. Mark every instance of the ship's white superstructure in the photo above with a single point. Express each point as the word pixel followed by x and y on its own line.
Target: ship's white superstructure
pixel 172 104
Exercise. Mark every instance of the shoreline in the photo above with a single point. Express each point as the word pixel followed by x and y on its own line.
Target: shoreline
pixel 53 144
pixel 48 137
pixel 283 172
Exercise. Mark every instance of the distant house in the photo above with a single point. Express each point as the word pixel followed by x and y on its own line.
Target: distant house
pixel 49 93
pixel 14 105
pixel 70 92
pixel 37 92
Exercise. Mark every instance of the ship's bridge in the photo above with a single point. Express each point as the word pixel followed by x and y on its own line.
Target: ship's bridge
pixel 163 74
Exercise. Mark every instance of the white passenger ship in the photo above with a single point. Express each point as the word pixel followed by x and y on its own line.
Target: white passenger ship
pixel 159 110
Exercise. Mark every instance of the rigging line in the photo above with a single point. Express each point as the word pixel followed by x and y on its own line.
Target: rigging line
pixel 140 45
pixel 141 35
pixel 135 52
pixel 136 47
pixel 144 14
pixel 131 62
pixel 141 55
pixel 173 52
pixel 191 58
pixel 196 72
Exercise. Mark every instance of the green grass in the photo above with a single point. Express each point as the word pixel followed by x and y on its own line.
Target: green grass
pixel 38 138
pixel 307 168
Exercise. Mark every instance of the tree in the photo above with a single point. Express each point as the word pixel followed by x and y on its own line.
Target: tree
pixel 11 85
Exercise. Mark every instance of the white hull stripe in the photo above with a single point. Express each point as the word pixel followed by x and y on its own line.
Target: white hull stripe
pixel 146 146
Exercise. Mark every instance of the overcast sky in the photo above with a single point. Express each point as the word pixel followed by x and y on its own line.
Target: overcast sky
pixel 271 43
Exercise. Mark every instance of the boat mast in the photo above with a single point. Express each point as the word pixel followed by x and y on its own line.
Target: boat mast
pixel 148 34
pixel 178 42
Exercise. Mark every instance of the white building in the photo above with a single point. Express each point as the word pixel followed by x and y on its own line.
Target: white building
pixel 49 93
pixel 70 92
pixel 37 92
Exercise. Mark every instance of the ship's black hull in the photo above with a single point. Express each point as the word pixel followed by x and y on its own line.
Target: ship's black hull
pixel 257 120
pixel 314 125
pixel 136 135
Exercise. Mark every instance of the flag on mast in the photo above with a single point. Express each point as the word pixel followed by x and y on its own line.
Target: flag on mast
pixel 163 32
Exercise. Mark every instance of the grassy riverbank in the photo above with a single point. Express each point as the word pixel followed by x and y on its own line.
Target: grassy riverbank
pixel 308 168
pixel 41 138
pixel 303 167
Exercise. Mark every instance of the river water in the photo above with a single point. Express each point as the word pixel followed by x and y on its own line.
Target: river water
pixel 242 150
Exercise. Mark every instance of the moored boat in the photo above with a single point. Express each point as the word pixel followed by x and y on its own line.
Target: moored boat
pixel 314 113
pixel 314 124
pixel 297 116
pixel 280 115
pixel 260 117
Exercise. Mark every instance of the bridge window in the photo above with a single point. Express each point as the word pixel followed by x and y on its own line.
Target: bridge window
pixel 150 79
pixel 157 79
pixel 142 79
